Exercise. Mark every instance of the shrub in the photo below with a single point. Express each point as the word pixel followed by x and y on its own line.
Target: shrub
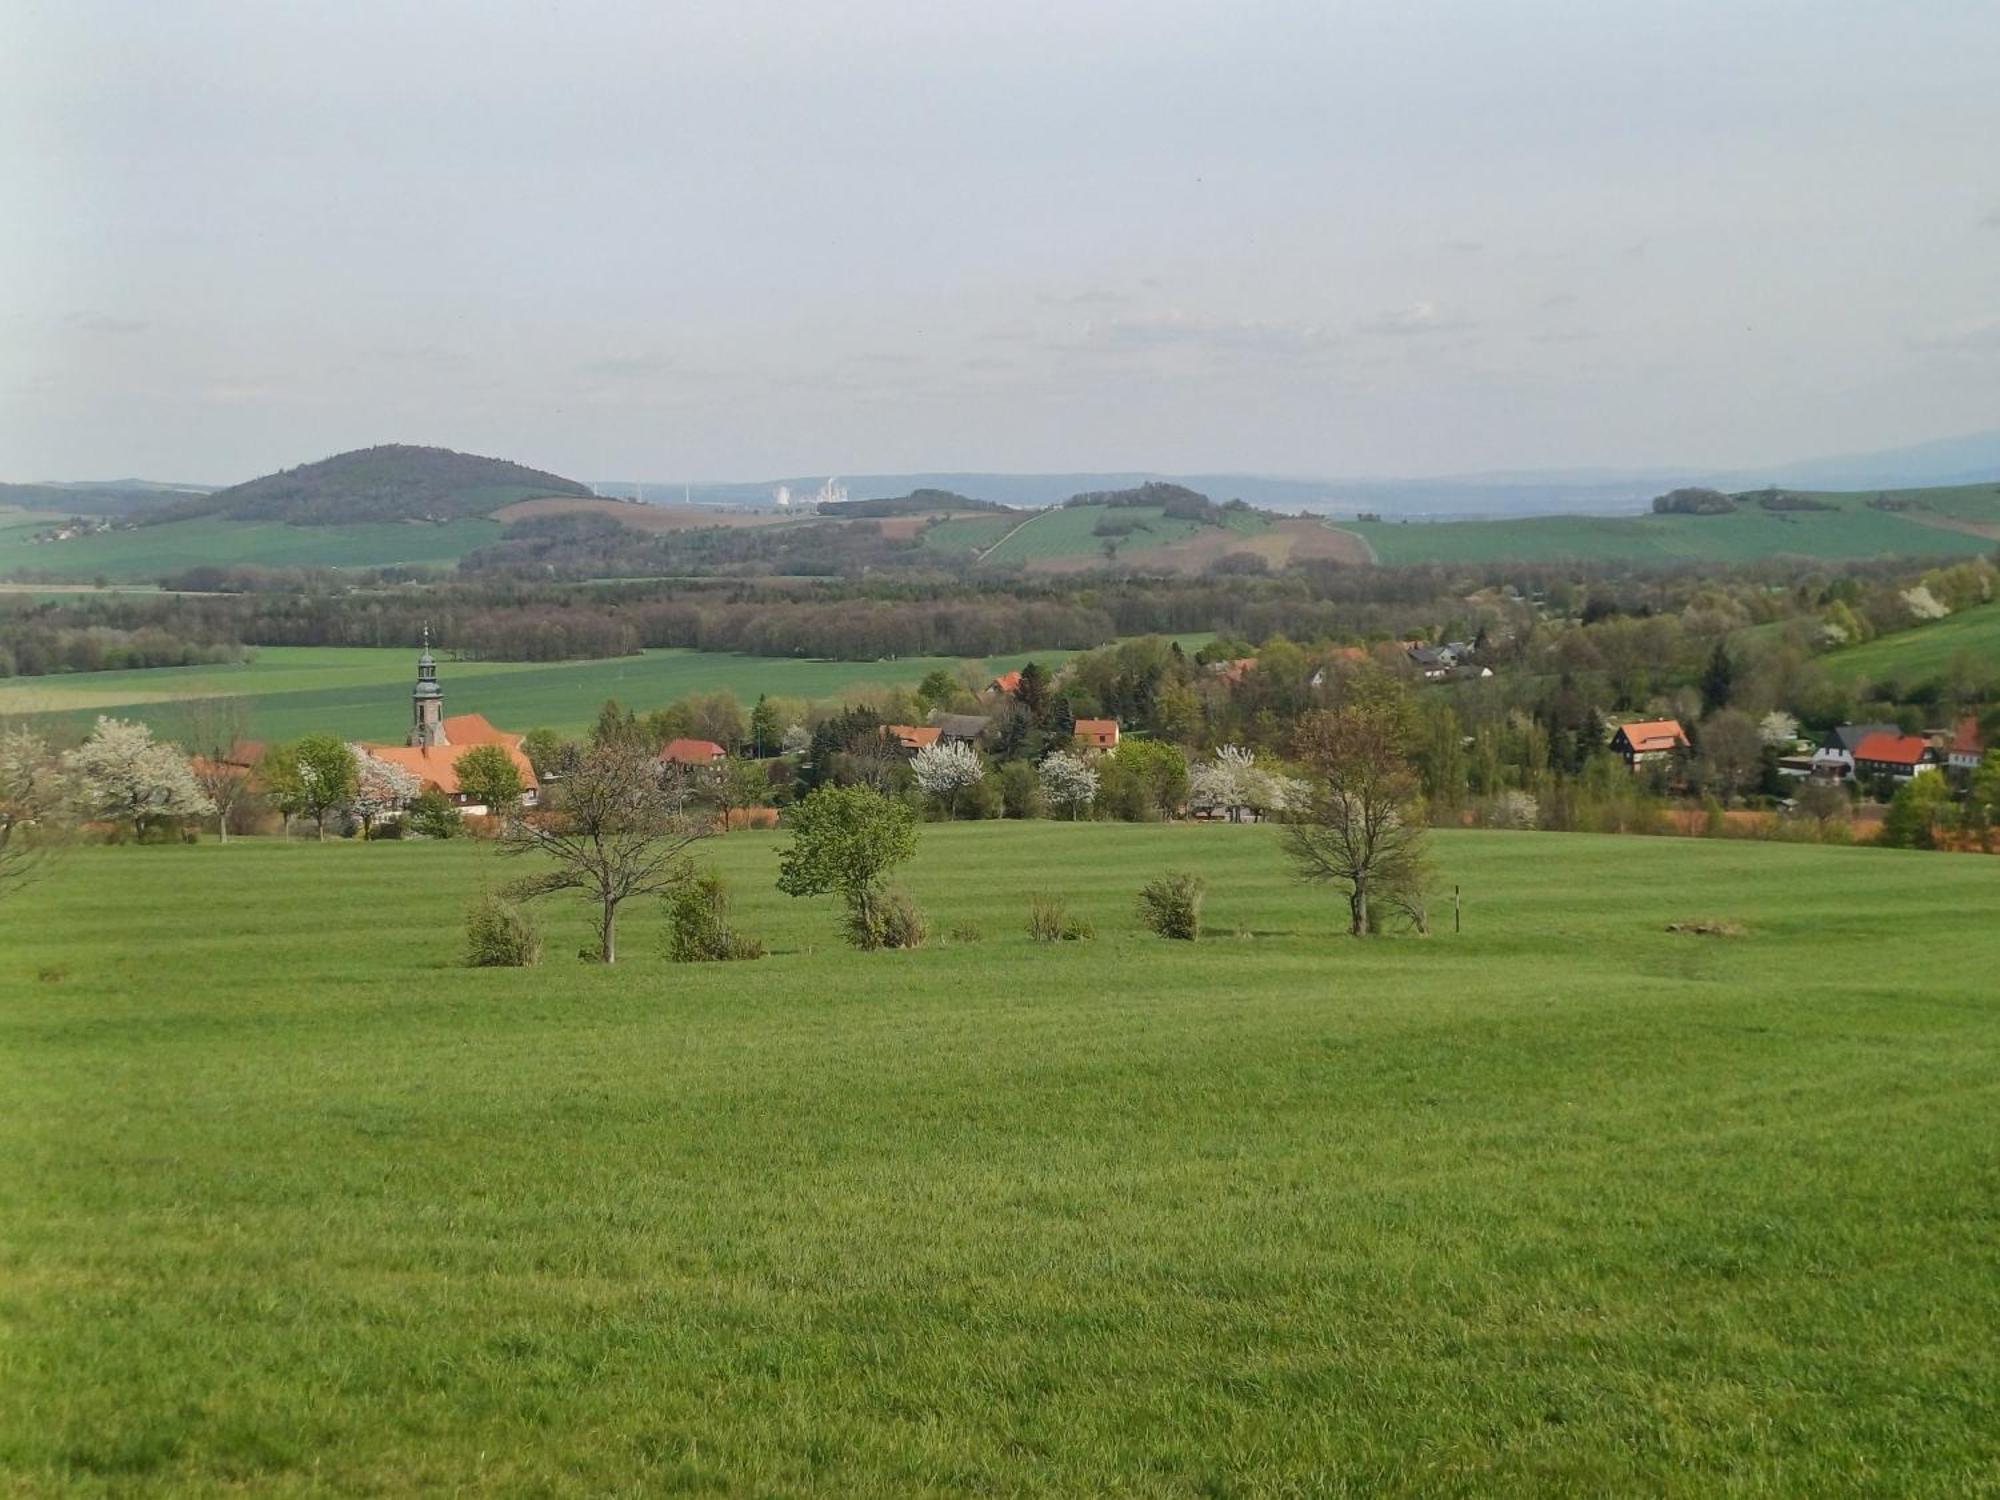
pixel 698 928
pixel 499 935
pixel 388 828
pixel 431 815
pixel 966 932
pixel 892 920
pixel 1171 905
pixel 1049 921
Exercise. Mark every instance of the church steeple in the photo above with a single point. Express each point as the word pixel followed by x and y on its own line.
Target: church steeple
pixel 427 700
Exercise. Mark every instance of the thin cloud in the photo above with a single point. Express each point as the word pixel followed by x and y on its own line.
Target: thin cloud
pixel 1407 322
pixel 1978 338
pixel 1180 330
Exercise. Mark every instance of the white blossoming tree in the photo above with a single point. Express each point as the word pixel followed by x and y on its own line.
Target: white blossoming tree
pixel 946 772
pixel 796 740
pixel 1778 728
pixel 1069 782
pixel 1231 781
pixel 123 775
pixel 34 818
pixel 380 788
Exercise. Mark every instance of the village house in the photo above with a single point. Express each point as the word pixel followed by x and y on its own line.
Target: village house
pixel 685 752
pixel 910 738
pixel 1896 756
pixel 1967 747
pixel 1004 685
pixel 1233 672
pixel 436 741
pixel 1834 760
pixel 959 729
pixel 1097 734
pixel 1645 742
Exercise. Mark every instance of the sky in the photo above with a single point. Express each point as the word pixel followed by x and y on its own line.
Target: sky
pixel 742 239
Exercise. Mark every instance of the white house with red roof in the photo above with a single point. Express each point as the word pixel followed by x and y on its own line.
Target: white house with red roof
pixel 685 752
pixel 1895 755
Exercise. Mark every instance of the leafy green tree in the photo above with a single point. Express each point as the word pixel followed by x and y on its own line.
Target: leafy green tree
pixel 1032 691
pixel 938 690
pixel 741 784
pixel 488 776
pixel 767 731
pixel 1718 679
pixel 547 751
pixel 845 840
pixel 313 777
pixel 432 816
pixel 1916 813
pixel 1158 771
pixel 615 725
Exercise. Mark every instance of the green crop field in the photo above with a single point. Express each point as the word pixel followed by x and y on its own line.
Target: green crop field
pixel 969 533
pixel 1566 1205
pixel 145 552
pixel 1969 639
pixel 363 692
pixel 1855 530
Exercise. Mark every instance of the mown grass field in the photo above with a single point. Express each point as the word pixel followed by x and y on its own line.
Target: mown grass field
pixel 363 692
pixel 1853 531
pixel 144 553
pixel 1564 1206
pixel 1925 653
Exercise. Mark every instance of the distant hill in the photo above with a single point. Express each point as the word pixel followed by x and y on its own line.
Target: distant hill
pixel 111 497
pixel 394 482
pixel 919 502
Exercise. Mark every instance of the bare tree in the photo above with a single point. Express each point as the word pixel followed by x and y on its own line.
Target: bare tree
pixel 1358 825
pixel 34 820
pixel 214 728
pixel 615 827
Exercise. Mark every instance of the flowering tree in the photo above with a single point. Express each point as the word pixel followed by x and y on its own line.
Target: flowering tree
pixel 123 774
pixel 1231 781
pixel 33 822
pixel 380 787
pixel 945 772
pixel 796 740
pixel 1778 728
pixel 1069 782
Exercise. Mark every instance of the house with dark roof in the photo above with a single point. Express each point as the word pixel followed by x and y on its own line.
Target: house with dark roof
pixel 959 729
pixel 1645 742
pixel 1834 760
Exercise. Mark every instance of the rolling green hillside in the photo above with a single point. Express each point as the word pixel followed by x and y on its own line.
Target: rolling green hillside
pixel 1960 521
pixel 1565 1205
pixel 363 693
pixel 1909 658
pixel 1069 533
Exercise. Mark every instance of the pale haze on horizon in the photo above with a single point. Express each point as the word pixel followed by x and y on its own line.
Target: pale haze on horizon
pixel 747 239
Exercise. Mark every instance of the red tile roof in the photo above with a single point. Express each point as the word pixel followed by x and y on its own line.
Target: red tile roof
pixel 1233 671
pixel 692 752
pixel 1645 735
pixel 1098 734
pixel 438 764
pixel 1893 749
pixel 1966 740
pixel 914 736
pixel 1006 682
pixel 473 729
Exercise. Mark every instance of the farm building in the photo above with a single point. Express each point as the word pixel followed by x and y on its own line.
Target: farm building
pixel 912 737
pixel 1834 760
pixel 1967 748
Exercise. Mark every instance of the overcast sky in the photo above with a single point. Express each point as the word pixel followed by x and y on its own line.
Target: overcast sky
pixel 741 239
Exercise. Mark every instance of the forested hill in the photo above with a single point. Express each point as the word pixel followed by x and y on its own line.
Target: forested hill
pixel 919 502
pixel 394 482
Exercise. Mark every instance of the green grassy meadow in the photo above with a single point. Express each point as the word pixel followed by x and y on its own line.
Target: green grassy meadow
pixel 362 692
pixel 143 553
pixel 1070 532
pixel 1565 1205
pixel 1851 532
pixel 1926 652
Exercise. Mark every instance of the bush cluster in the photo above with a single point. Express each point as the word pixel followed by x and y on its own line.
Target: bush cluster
pixel 698 929
pixel 499 935
pixel 1171 905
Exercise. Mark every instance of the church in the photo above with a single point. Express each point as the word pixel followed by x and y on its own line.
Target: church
pixel 437 739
